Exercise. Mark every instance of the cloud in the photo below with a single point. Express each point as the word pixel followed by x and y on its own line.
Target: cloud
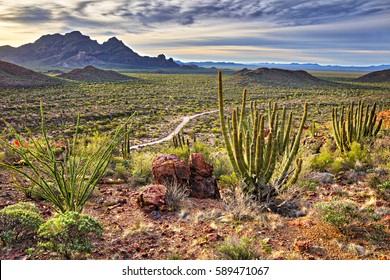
pixel 27 15
pixel 249 29
pixel 152 13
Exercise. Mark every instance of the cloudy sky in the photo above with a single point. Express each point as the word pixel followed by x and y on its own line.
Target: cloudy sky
pixel 343 32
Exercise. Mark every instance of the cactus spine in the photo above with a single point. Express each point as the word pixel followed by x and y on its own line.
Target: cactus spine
pixel 354 125
pixel 255 151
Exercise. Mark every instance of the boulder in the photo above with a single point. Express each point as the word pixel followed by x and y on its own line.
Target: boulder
pixel 197 175
pixel 199 167
pixel 202 182
pixel 170 169
pixel 152 198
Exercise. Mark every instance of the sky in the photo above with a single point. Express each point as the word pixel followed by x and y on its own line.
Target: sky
pixel 327 32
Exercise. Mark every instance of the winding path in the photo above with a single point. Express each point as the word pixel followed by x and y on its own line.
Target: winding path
pixel 175 131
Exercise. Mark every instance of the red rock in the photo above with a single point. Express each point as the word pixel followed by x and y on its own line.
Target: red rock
pixel 199 167
pixel 152 198
pixel 202 182
pixel 170 169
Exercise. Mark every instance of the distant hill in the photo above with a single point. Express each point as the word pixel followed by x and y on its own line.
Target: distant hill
pixel 375 77
pixel 14 76
pixel 279 77
pixel 77 50
pixel 93 74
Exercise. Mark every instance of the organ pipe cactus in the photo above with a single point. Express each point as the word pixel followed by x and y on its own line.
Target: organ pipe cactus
pixel 354 124
pixel 256 151
pixel 126 145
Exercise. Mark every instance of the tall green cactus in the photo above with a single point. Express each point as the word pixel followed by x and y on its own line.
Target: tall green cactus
pixel 255 151
pixel 354 125
pixel 125 147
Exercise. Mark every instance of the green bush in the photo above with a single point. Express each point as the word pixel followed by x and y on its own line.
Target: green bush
pixel 221 164
pixel 381 189
pixel 358 156
pixel 326 160
pixel 234 249
pixel 322 161
pixel 142 167
pixel 200 147
pixel 69 233
pixel 182 152
pixel 339 214
pixel 19 221
pixel 122 170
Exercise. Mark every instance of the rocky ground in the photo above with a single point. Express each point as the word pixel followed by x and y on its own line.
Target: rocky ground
pixel 199 228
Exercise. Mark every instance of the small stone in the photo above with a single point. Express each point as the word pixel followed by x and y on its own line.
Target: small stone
pixel 153 195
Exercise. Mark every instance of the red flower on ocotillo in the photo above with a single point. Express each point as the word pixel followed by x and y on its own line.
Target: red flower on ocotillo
pixel 16 143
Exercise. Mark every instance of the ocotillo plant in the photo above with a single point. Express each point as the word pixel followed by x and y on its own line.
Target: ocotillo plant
pixel 255 151
pixel 354 125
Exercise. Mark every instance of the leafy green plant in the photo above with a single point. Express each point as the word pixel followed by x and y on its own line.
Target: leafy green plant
pixel 67 182
pixel 255 152
pixel 69 233
pixel 19 221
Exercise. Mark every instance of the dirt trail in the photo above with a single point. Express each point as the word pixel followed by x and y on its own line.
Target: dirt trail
pixel 175 131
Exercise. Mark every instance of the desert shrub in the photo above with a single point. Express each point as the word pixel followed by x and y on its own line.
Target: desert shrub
pixel 322 161
pixel 358 156
pixel 19 221
pixel 67 182
pixel 69 233
pixel 142 167
pixel 175 196
pixel 200 147
pixel 339 214
pixel 228 183
pixel 183 152
pixel 235 249
pixel 122 170
pixel 221 164
pixel 380 152
pixel 240 206
pixel 382 190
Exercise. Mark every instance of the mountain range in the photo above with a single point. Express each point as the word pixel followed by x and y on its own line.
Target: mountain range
pixel 287 66
pixel 74 50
